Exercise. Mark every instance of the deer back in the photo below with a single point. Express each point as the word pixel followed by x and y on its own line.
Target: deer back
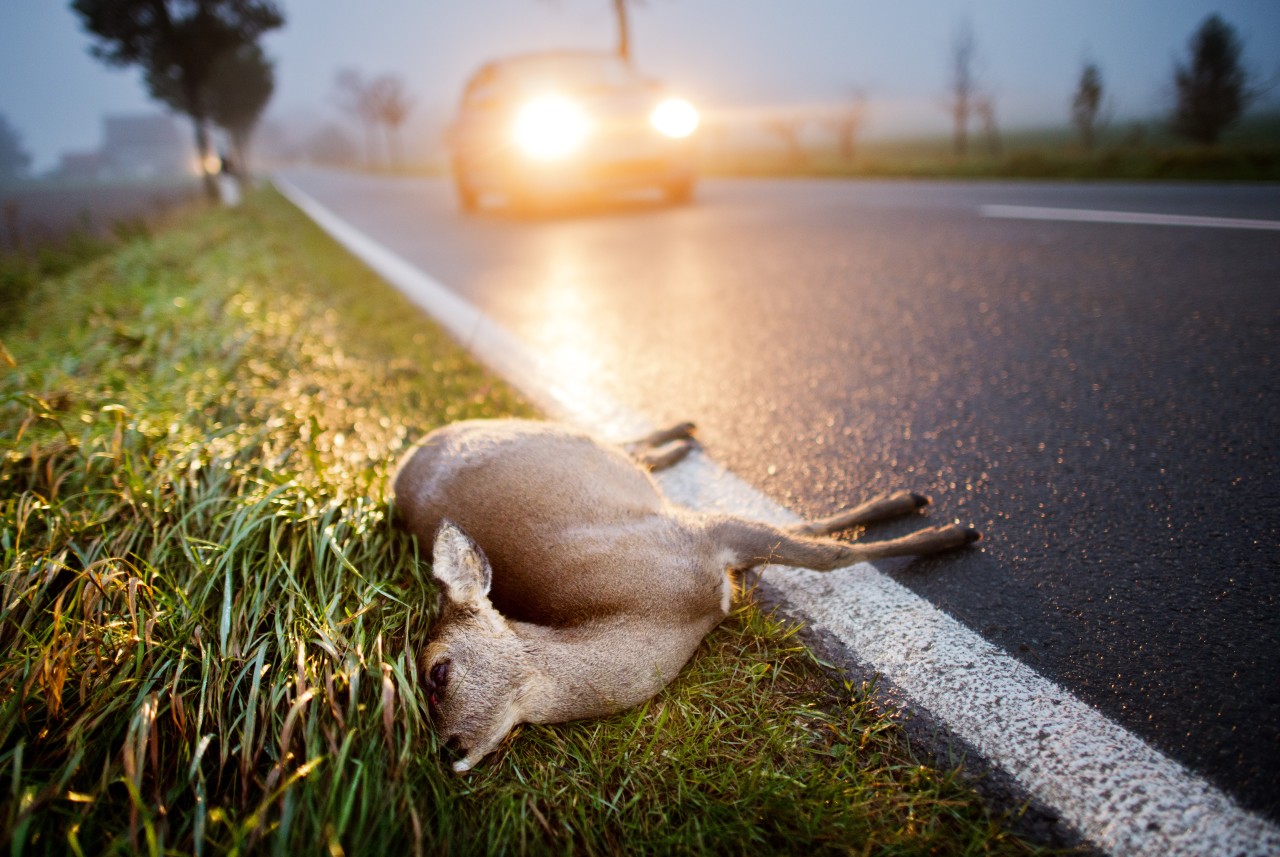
pixel 573 529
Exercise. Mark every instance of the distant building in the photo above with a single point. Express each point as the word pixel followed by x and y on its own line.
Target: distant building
pixel 79 165
pixel 134 147
pixel 137 147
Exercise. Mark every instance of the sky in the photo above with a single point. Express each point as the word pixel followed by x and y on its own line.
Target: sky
pixel 725 55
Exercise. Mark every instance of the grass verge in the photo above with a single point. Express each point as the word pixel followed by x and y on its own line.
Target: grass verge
pixel 1256 164
pixel 22 273
pixel 208 625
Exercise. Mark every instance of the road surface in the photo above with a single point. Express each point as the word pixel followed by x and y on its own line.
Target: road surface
pixel 1099 398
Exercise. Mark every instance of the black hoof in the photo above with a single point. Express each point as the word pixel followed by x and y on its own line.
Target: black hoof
pixel 971 536
pixel 920 500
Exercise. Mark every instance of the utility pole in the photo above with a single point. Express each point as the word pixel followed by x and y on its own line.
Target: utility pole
pixel 624 30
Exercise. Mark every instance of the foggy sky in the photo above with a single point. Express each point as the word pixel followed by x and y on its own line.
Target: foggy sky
pixel 724 54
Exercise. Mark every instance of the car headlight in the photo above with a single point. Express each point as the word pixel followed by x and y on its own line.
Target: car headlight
pixel 675 118
pixel 551 127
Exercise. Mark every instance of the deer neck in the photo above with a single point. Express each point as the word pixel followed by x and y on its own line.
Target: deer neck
pixel 590 670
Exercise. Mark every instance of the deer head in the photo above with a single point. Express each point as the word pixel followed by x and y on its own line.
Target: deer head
pixel 476 667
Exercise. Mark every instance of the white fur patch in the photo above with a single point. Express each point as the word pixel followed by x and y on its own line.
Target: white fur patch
pixel 509 720
pixel 725 560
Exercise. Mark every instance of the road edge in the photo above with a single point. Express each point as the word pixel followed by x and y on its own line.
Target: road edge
pixel 1100 781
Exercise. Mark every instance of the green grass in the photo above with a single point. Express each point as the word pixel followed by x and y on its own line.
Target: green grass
pixel 1131 151
pixel 1236 164
pixel 22 273
pixel 208 624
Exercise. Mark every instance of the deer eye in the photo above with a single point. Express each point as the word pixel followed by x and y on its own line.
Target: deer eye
pixel 436 680
pixel 440 674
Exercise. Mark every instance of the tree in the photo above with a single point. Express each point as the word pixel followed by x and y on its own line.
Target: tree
pixel 985 108
pixel 14 159
pixel 787 129
pixel 1086 104
pixel 963 84
pixel 390 105
pixel 177 43
pixel 329 145
pixel 1212 89
pixel 847 123
pixel 240 86
pixel 352 95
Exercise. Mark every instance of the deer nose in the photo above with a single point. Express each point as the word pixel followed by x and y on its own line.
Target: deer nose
pixel 452 751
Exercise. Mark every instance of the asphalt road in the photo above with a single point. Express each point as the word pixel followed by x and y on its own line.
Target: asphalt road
pixel 1100 399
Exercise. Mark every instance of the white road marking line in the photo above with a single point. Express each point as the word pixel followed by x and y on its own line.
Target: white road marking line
pixel 1120 793
pixel 527 370
pixel 1081 215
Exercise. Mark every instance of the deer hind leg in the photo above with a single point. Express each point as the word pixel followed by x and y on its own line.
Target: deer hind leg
pixel 879 509
pixel 663 448
pixel 753 544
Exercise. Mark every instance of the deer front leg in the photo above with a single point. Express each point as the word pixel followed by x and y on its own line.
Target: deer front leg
pixel 879 509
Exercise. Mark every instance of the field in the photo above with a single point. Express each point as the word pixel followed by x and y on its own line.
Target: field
pixel 209 623
pixel 1126 151
pixel 39 213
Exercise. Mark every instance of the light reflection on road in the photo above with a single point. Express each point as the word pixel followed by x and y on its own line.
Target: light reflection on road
pixel 590 334
pixel 562 325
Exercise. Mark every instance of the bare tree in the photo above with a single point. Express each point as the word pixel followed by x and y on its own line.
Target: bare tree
pixel 984 106
pixel 330 145
pixel 391 104
pixel 787 129
pixel 14 158
pixel 1086 105
pixel 963 84
pixel 352 96
pixel 847 124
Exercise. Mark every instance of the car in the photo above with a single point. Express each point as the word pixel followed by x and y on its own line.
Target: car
pixel 546 126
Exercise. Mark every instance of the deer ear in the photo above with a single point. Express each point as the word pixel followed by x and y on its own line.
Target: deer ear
pixel 460 565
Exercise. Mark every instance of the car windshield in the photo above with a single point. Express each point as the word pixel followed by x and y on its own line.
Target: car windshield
pixel 570 72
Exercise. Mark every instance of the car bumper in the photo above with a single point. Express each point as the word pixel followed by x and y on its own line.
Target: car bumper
pixel 657 164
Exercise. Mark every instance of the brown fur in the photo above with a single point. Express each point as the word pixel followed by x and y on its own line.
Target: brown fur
pixel 573 588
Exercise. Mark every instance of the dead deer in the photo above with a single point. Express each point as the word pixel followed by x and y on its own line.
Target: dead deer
pixel 571 587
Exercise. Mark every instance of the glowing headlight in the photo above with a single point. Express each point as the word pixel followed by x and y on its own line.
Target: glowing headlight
pixel 674 117
pixel 550 127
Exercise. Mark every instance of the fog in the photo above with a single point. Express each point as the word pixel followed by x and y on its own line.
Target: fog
pixel 730 56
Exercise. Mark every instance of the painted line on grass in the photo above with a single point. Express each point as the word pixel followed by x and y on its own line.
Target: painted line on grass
pixel 1121 794
pixel 1081 215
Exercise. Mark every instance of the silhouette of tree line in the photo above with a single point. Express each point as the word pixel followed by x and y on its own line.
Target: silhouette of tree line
pixel 384 102
pixel 202 58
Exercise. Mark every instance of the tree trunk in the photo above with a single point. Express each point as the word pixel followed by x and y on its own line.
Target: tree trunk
pixel 624 30
pixel 240 151
pixel 960 140
pixel 202 152
pixel 370 146
pixel 393 153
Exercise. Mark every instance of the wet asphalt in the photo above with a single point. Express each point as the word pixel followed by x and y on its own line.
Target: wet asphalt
pixel 1099 399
